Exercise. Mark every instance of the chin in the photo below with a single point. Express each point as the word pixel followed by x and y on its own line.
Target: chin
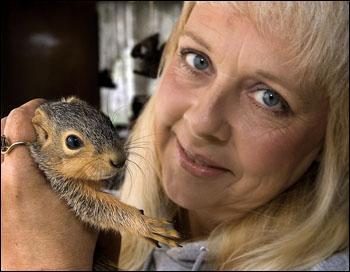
pixel 178 191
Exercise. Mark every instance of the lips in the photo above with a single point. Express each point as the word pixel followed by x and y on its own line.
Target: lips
pixel 198 165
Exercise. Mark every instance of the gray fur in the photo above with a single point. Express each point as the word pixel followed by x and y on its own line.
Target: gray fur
pixel 73 115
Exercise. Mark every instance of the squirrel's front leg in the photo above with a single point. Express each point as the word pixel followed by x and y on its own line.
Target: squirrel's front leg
pixel 103 211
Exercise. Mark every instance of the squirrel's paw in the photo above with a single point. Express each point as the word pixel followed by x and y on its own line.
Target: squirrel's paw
pixel 160 231
pixel 153 229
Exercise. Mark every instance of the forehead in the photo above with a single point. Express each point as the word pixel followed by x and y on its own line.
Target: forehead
pixel 233 40
pixel 221 25
pixel 210 13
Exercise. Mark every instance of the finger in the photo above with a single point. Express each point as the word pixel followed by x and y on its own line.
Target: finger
pixel 32 105
pixel 19 122
pixel 19 128
pixel 3 123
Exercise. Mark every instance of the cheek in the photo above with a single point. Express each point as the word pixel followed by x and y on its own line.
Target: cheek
pixel 171 102
pixel 278 152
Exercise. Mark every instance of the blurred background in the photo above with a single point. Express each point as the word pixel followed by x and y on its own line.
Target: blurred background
pixel 104 52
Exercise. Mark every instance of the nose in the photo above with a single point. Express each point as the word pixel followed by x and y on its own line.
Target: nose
pixel 118 163
pixel 206 119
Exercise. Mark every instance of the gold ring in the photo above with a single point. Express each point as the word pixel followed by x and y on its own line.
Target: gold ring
pixel 6 147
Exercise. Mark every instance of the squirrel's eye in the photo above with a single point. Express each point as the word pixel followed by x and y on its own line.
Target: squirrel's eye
pixel 73 142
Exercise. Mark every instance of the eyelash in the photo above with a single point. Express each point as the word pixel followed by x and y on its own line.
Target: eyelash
pixel 183 52
pixel 285 111
pixel 285 108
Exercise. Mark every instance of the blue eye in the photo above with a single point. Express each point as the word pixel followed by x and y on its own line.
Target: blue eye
pixel 197 61
pixel 269 99
pixel 73 142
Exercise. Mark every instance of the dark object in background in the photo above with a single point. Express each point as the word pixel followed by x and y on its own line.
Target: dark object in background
pixel 105 79
pixel 137 105
pixel 149 53
pixel 49 49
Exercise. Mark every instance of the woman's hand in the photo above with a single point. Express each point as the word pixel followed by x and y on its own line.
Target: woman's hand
pixel 38 231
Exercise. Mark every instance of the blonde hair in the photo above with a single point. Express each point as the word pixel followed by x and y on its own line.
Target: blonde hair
pixel 308 222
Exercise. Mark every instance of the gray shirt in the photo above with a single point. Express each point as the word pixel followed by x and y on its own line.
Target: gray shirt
pixel 191 257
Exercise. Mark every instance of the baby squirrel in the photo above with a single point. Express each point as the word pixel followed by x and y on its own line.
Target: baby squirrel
pixel 76 148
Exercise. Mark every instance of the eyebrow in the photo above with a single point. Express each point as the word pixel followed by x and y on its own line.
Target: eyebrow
pixel 281 82
pixel 271 77
pixel 197 39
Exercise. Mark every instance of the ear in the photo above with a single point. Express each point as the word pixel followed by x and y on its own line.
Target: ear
pixel 41 125
pixel 71 99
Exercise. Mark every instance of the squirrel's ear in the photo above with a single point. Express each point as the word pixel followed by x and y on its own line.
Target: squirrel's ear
pixel 70 99
pixel 41 125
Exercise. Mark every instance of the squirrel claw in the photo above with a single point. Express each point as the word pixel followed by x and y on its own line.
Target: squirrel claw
pixel 155 242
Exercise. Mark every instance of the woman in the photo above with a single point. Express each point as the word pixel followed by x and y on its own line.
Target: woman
pixel 244 145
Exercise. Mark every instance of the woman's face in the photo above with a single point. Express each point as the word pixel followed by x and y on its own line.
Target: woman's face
pixel 234 126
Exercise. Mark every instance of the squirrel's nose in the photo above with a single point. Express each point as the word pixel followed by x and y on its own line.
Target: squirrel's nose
pixel 117 164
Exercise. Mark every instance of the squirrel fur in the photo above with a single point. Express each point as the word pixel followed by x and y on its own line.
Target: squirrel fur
pixel 76 148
